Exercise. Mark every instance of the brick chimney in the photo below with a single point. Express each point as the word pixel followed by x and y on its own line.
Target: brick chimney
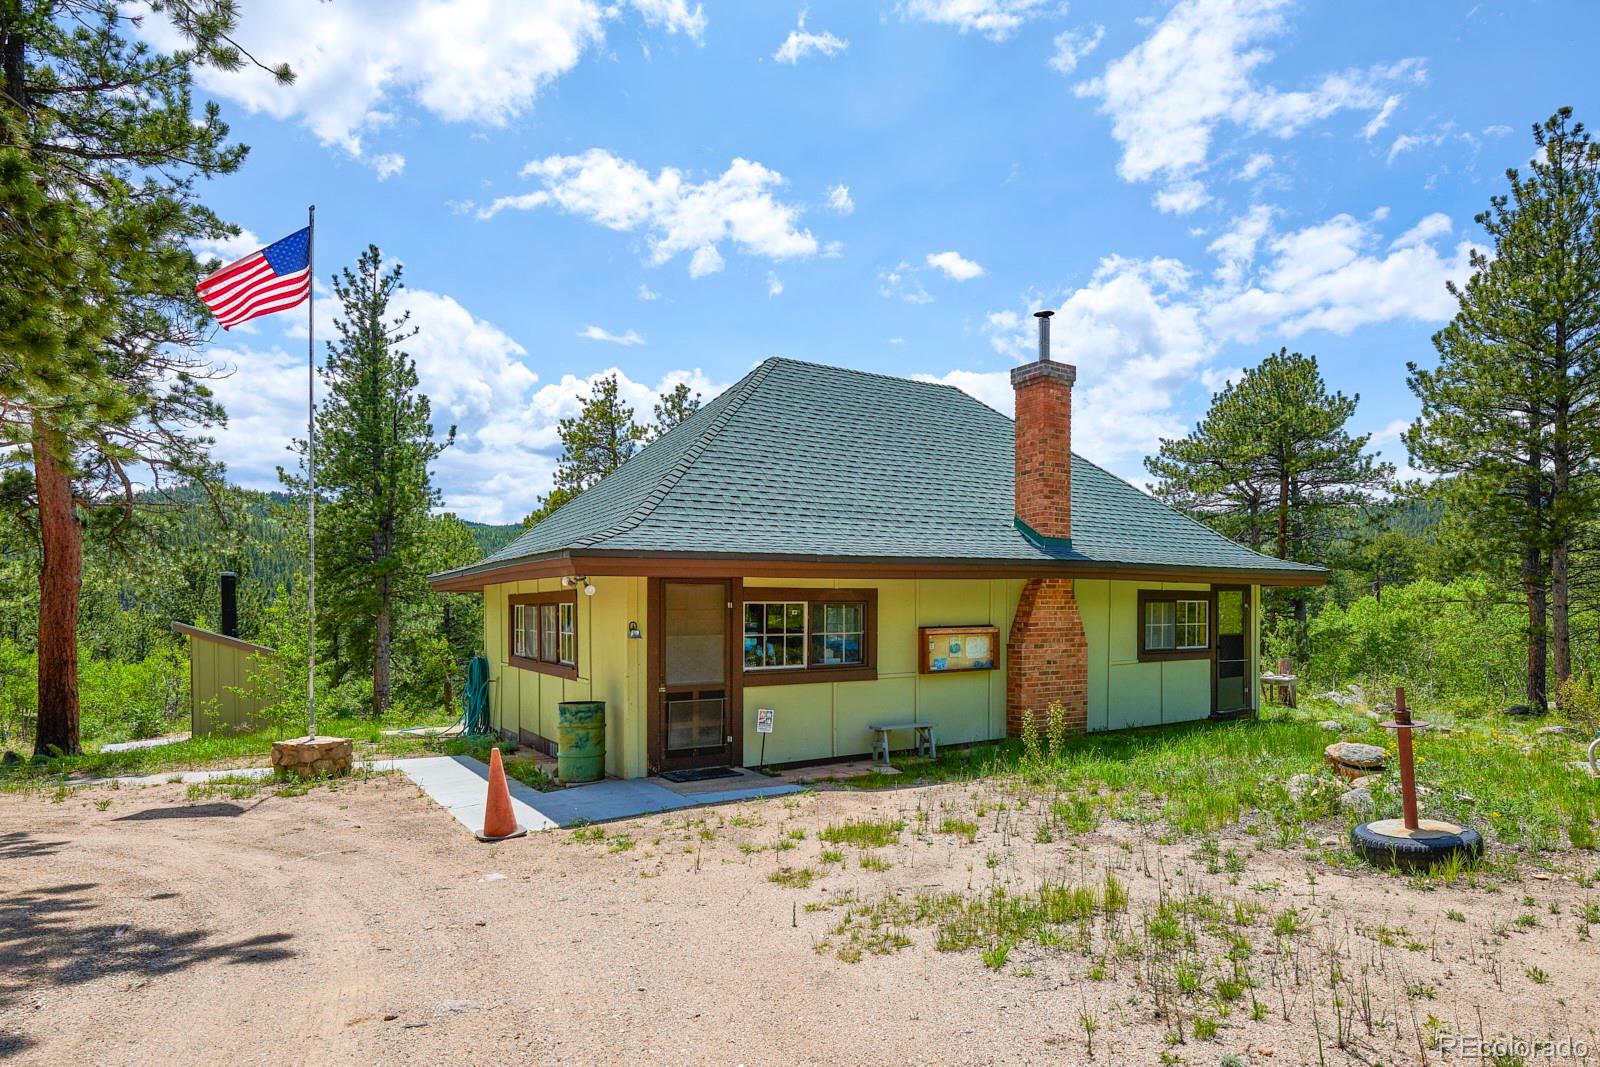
pixel 1043 468
pixel 1046 656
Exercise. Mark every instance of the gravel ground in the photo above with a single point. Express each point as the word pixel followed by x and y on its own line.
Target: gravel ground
pixel 361 924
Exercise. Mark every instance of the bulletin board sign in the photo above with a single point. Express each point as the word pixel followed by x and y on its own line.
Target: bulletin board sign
pixel 952 649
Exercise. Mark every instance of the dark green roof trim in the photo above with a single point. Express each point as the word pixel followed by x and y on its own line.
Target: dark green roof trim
pixel 798 461
pixel 1058 547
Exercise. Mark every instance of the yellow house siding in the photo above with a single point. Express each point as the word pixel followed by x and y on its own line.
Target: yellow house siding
pixel 610 668
pixel 826 720
pixel 227 687
pixel 830 719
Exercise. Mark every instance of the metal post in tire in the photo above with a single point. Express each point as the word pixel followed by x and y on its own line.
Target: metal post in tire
pixel 1409 842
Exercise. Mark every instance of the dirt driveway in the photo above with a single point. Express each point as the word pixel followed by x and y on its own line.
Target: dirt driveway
pixel 139 926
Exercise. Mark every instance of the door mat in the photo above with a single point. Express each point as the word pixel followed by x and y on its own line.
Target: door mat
pixel 700 774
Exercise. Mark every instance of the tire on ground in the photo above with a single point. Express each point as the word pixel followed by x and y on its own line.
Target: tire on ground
pixel 1412 854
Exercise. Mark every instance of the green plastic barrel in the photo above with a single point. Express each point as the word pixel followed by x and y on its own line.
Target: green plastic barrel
pixel 581 735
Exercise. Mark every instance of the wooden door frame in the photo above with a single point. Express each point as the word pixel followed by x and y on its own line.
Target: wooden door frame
pixel 1216 648
pixel 655 663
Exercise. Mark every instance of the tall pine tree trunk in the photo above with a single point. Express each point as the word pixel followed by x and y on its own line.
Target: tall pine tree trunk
pixel 1560 509
pixel 60 582
pixel 380 659
pixel 1283 512
pixel 1538 639
pixel 1560 615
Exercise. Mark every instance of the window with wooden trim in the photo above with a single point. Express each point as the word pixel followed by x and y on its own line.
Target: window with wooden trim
pixel 1174 624
pixel 543 632
pixel 806 635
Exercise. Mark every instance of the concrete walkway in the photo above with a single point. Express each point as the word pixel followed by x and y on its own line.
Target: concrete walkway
pixel 458 784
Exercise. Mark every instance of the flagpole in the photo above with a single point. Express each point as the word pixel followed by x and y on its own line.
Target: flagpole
pixel 311 474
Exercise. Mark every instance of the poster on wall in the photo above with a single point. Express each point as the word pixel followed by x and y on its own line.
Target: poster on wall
pixel 951 649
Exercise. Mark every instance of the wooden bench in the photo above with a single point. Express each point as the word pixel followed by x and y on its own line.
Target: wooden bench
pixel 922 734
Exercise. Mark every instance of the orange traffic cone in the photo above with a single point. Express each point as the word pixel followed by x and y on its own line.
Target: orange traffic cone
pixel 499 822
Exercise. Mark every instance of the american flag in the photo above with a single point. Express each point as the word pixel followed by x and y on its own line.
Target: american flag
pixel 274 279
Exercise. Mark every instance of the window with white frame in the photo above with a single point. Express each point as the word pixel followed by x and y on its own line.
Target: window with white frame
pixel 567 634
pixel 838 633
pixel 1174 624
pixel 774 634
pixel 543 632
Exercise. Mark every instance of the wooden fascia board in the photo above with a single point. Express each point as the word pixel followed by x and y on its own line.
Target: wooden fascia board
pixel 674 565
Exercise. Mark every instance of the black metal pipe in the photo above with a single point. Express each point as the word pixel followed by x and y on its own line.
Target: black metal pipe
pixel 230 604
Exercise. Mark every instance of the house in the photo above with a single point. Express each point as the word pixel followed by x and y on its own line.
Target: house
pixel 847 548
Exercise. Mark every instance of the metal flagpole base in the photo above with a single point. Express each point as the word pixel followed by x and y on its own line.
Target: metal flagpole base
pixel 1389 843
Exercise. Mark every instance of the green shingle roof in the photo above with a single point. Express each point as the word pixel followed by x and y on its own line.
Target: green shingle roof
pixel 799 460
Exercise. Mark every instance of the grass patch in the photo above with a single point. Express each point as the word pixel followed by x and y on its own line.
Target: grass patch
pixel 1199 778
pixel 863 833
pixel 962 828
pixel 794 877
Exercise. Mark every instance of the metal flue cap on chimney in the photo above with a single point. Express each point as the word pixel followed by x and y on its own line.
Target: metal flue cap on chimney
pixel 1044 334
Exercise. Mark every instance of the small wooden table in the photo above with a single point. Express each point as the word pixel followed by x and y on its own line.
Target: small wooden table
pixel 1285 686
pixel 922 735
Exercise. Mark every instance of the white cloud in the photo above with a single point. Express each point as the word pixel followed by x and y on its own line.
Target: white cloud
pixel 388 165
pixel 647 293
pixel 1336 276
pixel 476 376
pixel 995 19
pixel 954 265
pixel 1411 142
pixel 1381 119
pixel 774 285
pixel 466 366
pixel 1254 167
pixel 497 471
pixel 596 333
pixel 1425 232
pixel 359 63
pixel 1182 198
pixel 674 16
pixel 1194 74
pixel 229 249
pixel 902 282
pixel 1236 248
pixel 1072 46
pixel 802 42
pixel 839 199
pixel 677 215
pixel 1496 130
pixel 1146 338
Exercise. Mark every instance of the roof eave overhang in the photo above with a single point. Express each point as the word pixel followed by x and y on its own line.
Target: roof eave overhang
pixel 593 562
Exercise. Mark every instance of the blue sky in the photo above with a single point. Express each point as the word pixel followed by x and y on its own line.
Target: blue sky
pixel 677 191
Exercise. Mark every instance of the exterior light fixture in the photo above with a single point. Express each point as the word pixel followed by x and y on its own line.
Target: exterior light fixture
pixel 633 631
pixel 588 589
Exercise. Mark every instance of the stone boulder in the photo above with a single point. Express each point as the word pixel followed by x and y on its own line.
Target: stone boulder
pixel 1352 759
pixel 1333 726
pixel 312 757
pixel 1358 802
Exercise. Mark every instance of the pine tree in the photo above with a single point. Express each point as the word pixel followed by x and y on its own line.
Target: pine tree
pixel 1511 414
pixel 594 442
pixel 673 407
pixel 99 149
pixel 1272 460
pixel 374 444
